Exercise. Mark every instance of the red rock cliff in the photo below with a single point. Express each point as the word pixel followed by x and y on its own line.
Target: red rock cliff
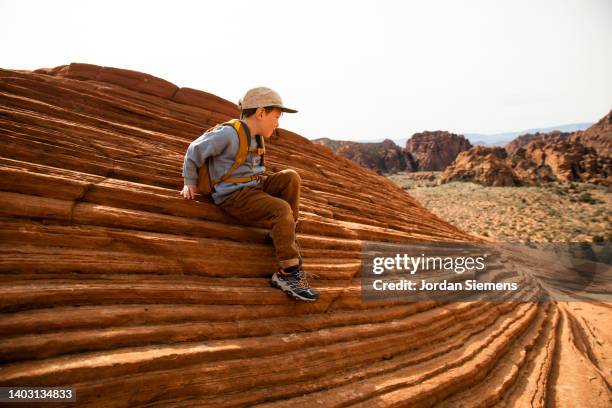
pixel 434 151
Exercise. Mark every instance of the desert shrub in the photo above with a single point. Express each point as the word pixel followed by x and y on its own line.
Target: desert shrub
pixel 587 198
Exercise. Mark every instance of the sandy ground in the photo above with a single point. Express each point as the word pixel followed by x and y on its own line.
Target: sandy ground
pixel 563 212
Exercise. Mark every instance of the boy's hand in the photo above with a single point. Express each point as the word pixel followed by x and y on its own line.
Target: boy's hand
pixel 189 191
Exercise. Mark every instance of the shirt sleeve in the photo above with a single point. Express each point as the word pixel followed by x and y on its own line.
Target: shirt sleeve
pixel 208 145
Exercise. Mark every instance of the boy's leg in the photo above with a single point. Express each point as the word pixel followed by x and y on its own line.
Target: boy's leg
pixel 285 184
pixel 253 205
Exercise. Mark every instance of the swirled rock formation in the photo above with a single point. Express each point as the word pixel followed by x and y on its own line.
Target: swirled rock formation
pixel 115 285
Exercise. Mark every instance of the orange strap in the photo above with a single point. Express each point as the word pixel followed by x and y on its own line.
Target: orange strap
pixel 243 150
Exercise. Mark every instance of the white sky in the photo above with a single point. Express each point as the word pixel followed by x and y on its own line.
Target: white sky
pixel 354 69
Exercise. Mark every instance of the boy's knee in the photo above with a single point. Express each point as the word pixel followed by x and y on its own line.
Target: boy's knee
pixel 291 175
pixel 282 211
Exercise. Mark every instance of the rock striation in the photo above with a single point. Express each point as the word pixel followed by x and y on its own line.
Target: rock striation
pixel 115 285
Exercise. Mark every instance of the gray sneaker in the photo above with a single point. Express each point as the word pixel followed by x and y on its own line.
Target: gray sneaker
pixel 295 285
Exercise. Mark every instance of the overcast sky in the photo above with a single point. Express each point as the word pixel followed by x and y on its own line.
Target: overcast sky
pixel 355 70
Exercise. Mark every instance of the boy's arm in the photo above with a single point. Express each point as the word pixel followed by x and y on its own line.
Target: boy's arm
pixel 199 150
pixel 207 145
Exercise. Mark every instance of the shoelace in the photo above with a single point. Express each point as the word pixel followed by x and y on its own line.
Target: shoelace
pixel 303 278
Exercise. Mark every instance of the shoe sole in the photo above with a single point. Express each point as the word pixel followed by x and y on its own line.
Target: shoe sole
pixel 277 285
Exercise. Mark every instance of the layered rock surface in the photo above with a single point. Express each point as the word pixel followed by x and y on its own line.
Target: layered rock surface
pixel 115 285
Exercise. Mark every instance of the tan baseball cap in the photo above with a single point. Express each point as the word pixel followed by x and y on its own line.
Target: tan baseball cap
pixel 262 97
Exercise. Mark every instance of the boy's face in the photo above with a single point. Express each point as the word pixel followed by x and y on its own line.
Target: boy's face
pixel 268 122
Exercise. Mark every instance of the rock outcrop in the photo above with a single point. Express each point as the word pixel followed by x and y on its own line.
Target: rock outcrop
pixel 523 140
pixel 570 160
pixel 487 165
pixel 426 151
pixel 434 151
pixel 116 286
pixel 383 157
pixel 583 156
pixel 598 136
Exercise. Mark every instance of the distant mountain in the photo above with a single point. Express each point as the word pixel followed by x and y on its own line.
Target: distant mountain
pixel 400 141
pixel 501 139
pixel 494 139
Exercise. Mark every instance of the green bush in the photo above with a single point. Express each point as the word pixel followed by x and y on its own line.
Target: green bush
pixel 587 198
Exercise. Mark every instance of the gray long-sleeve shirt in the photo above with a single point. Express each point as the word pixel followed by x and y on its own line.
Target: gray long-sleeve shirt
pixel 221 146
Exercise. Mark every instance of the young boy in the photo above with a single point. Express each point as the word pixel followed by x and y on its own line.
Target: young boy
pixel 248 195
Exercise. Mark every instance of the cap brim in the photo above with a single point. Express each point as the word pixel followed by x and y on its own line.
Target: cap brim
pixel 288 110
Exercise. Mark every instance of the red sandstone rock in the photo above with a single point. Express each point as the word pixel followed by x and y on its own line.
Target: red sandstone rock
pixel 598 136
pixel 534 159
pixel 523 140
pixel 384 157
pixel 571 161
pixel 205 100
pixel 118 287
pixel 488 165
pixel 427 151
pixel 434 151
pixel 81 71
pixel 133 80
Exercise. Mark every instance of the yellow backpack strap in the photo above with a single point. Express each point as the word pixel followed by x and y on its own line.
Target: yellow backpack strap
pixel 261 148
pixel 241 155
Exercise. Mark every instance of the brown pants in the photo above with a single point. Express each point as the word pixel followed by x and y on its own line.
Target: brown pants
pixel 275 199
